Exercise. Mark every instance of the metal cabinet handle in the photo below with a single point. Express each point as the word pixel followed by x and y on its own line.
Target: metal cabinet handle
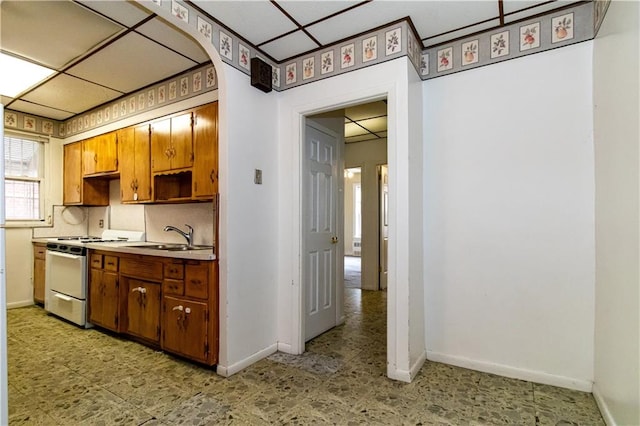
pixel 140 289
pixel 178 308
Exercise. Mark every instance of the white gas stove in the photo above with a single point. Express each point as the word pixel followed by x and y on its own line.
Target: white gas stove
pixel 66 273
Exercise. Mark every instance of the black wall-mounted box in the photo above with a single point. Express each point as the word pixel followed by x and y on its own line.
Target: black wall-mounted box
pixel 261 74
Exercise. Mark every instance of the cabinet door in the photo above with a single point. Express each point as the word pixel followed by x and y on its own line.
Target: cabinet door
pixel 143 309
pixel 161 151
pixel 127 147
pixel 185 327
pixel 205 147
pixel 89 156
pixel 72 173
pixel 134 159
pixel 196 280
pixel 181 142
pixel 38 280
pixel 104 299
pixel 143 163
pixel 100 154
pixel 107 153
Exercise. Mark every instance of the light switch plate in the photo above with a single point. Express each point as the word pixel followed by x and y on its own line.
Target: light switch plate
pixel 257 177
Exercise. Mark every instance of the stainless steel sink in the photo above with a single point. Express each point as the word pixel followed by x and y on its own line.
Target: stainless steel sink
pixel 173 247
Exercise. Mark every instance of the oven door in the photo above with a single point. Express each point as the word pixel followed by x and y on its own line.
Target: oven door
pixel 66 274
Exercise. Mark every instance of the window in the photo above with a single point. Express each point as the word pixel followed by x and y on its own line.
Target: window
pixel 23 173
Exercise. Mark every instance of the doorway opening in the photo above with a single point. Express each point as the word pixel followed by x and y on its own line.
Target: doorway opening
pixel 361 323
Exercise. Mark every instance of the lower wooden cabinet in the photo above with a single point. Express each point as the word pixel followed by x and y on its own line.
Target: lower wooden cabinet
pixel 143 309
pixel 104 292
pixel 163 302
pixel 184 328
pixel 39 263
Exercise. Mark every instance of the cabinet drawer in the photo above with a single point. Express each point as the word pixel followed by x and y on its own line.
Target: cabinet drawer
pixel 111 263
pixel 96 261
pixel 175 287
pixel 143 268
pixel 196 281
pixel 174 271
pixel 39 252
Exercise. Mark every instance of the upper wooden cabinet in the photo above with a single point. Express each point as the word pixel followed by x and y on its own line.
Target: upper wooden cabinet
pixel 72 191
pixel 205 147
pixel 171 143
pixel 76 190
pixel 135 171
pixel 100 154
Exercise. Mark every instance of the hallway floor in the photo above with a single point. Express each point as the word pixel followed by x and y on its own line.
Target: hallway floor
pixel 62 375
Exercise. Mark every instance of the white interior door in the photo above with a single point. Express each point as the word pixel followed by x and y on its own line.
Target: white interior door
pixel 384 224
pixel 320 196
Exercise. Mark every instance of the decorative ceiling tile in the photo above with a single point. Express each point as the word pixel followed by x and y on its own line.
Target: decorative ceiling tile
pixel 61 92
pixel 41 31
pixel 158 30
pixel 263 23
pixel 361 138
pixel 374 124
pixel 43 111
pixel 123 12
pixel 305 12
pixel 130 63
pixel 352 129
pixel 461 33
pixel 542 8
pixel 373 109
pixel 294 44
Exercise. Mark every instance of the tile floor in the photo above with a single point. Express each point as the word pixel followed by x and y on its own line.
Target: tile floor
pixel 62 375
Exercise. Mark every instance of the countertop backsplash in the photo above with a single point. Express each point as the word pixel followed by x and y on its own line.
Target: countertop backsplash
pixel 198 215
pixel 66 221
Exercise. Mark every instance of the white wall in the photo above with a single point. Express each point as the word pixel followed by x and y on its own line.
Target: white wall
pixel 617 354
pixel 509 220
pixel 368 155
pixel 248 222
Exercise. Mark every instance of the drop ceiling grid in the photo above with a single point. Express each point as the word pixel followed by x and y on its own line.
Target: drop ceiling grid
pixel 307 12
pixel 293 44
pixel 131 62
pixel 252 24
pixel 63 90
pixel 28 31
pixel 156 30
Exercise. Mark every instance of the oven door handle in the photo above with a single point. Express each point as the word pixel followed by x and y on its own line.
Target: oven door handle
pixel 68 256
pixel 63 297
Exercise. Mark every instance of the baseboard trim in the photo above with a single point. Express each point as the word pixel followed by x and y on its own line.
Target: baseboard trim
pixel 286 348
pixel 244 363
pixel 512 372
pixel 407 375
pixel 20 304
pixel 602 405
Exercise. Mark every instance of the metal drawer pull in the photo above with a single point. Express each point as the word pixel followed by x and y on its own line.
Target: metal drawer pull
pixel 140 289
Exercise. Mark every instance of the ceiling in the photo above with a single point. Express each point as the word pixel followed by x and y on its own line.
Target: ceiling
pixel 102 50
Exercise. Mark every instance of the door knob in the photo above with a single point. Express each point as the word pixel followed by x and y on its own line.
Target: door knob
pixel 334 240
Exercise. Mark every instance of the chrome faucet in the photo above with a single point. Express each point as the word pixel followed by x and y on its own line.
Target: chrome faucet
pixel 187 235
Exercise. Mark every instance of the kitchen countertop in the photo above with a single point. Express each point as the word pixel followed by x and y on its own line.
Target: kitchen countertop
pixel 126 247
